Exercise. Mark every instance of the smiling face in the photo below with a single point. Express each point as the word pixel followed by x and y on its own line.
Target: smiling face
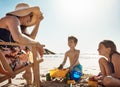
pixel 103 50
pixel 106 47
pixel 71 43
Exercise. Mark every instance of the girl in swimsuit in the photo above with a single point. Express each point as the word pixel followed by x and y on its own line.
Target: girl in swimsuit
pixel 109 64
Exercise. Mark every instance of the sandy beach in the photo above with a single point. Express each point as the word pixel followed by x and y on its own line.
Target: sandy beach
pixel 89 63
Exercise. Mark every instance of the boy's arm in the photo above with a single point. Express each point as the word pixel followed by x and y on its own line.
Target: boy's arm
pixel 64 61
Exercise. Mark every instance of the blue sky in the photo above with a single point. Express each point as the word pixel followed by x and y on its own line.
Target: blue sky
pixel 91 21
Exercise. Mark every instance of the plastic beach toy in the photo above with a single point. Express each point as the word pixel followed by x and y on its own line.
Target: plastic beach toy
pixel 76 75
pixel 58 72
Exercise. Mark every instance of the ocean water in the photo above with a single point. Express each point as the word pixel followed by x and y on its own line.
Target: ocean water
pixel 88 61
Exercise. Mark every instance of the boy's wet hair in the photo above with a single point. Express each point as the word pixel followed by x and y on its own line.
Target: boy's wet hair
pixel 73 38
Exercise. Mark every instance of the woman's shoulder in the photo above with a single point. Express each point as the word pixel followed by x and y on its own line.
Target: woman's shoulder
pixel 3 22
pixel 10 20
pixel 7 17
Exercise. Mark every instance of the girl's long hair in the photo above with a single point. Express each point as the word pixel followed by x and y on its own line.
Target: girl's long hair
pixel 110 44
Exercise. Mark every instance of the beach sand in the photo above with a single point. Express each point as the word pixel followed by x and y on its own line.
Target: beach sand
pixel 89 63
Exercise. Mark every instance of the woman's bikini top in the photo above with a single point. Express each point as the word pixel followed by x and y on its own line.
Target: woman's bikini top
pixel 5 35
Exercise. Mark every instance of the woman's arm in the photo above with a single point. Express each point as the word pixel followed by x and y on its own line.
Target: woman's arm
pixel 35 30
pixel 14 28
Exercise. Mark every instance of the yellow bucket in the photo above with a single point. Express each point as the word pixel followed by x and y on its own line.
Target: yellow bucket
pixel 58 72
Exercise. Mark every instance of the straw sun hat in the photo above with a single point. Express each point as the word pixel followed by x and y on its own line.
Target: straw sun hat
pixel 23 9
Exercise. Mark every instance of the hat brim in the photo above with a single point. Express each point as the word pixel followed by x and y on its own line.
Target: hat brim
pixel 24 12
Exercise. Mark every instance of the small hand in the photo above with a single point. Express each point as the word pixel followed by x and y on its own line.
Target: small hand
pixel 101 77
pixel 70 68
pixel 60 67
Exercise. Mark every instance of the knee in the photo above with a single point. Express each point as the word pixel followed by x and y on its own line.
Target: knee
pixel 102 60
pixel 107 81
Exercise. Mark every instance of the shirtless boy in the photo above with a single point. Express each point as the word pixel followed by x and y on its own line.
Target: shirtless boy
pixel 73 55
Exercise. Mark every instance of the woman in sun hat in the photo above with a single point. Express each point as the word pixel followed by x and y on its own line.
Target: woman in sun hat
pixel 35 16
pixel 10 27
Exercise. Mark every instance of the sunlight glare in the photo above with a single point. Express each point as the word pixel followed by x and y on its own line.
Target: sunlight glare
pixel 78 9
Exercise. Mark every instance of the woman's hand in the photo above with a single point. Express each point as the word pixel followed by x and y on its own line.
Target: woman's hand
pixel 40 17
pixel 40 49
